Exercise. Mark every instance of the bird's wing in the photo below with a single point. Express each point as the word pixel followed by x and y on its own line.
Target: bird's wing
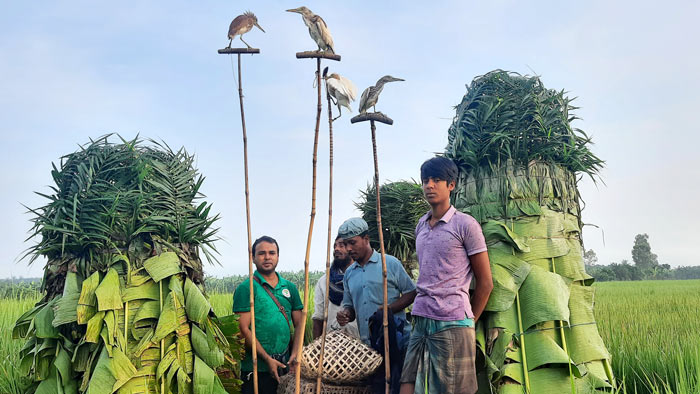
pixel 363 99
pixel 349 87
pixel 235 25
pixel 325 33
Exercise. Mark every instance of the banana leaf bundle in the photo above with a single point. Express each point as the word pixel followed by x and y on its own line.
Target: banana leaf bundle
pixel 124 308
pixel 519 159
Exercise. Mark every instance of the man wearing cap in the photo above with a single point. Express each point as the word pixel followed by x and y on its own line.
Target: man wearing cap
pixel 363 283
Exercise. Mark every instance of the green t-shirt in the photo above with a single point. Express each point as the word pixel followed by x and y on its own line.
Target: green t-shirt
pixel 271 328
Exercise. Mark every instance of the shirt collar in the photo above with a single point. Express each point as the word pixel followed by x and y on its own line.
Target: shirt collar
pixel 262 280
pixel 445 218
pixel 374 258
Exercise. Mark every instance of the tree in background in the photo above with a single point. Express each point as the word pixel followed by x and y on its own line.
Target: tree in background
pixel 641 253
pixel 590 258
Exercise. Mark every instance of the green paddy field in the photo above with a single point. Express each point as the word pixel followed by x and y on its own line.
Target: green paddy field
pixel 652 329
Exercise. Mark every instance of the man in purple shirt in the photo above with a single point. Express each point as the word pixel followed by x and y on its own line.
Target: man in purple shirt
pixel 451 250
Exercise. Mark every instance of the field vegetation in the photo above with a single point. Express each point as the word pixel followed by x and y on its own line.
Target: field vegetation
pixel 652 329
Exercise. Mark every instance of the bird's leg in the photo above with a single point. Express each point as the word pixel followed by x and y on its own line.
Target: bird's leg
pixel 246 44
pixel 374 107
pixel 229 43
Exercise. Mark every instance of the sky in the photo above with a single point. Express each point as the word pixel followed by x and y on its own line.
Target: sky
pixel 75 70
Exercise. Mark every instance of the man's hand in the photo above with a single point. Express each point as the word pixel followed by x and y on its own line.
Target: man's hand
pixel 273 365
pixel 293 364
pixel 345 316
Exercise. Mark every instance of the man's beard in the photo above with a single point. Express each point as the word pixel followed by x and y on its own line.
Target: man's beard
pixel 341 264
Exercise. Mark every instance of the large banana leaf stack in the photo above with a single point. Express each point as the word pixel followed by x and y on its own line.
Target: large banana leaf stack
pixel 519 159
pixel 124 308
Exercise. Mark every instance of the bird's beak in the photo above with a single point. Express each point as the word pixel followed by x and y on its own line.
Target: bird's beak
pixel 256 24
pixel 294 10
pixel 397 79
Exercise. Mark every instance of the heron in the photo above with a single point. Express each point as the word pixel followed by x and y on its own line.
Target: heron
pixel 341 89
pixel 317 28
pixel 371 95
pixel 241 25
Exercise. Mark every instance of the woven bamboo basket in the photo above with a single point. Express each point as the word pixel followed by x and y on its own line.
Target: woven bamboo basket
pixel 307 386
pixel 346 359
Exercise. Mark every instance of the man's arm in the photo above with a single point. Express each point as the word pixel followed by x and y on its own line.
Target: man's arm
pixel 402 302
pixel 297 320
pixel 317 327
pixel 244 326
pixel 404 284
pixel 484 283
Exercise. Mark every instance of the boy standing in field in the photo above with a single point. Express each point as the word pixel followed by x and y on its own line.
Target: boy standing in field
pixel 451 250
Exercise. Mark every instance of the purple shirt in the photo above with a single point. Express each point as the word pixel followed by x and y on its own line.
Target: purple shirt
pixel 445 271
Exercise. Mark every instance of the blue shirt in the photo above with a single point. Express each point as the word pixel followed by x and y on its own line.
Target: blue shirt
pixel 364 290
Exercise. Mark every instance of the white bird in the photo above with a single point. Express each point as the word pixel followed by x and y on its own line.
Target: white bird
pixel 371 95
pixel 341 89
pixel 317 28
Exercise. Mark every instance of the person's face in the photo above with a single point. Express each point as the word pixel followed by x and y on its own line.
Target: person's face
pixel 357 246
pixel 266 257
pixel 437 190
pixel 339 251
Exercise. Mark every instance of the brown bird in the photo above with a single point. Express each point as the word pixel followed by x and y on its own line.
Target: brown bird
pixel 241 25
pixel 317 28
pixel 371 95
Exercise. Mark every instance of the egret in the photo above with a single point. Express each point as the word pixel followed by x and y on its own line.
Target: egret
pixel 241 25
pixel 317 28
pixel 371 95
pixel 341 89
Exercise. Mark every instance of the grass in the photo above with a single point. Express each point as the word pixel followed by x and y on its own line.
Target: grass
pixel 652 329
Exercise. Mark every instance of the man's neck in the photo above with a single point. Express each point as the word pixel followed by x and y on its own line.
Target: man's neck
pixel 270 278
pixel 439 210
pixel 362 261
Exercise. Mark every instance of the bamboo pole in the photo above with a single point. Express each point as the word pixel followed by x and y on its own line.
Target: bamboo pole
pixel 328 244
pixel 305 310
pixel 254 344
pixel 563 340
pixel 385 309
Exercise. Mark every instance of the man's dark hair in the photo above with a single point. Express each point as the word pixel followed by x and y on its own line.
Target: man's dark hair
pixel 267 239
pixel 439 168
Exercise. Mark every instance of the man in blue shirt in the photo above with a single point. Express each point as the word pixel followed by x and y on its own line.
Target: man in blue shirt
pixel 363 284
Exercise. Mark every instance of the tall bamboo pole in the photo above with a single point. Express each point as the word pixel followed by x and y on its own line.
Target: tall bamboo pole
pixel 305 310
pixel 385 323
pixel 328 244
pixel 254 345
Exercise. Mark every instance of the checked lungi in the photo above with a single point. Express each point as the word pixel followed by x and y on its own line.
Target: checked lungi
pixel 440 357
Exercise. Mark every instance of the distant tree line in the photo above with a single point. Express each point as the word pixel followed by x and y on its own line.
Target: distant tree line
pixel 645 266
pixel 229 283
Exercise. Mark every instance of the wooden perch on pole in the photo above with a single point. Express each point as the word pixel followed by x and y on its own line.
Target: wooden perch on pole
pixel 318 55
pixel 254 350
pixel 372 116
pixel 231 51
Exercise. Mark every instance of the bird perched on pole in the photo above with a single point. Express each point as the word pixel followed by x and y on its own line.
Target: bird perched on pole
pixel 317 28
pixel 341 89
pixel 241 25
pixel 371 95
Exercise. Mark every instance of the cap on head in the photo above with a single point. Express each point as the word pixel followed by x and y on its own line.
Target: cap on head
pixel 352 228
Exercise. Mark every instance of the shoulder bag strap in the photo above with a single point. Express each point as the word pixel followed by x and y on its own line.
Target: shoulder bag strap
pixel 277 302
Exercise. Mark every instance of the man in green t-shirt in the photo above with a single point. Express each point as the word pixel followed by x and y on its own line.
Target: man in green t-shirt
pixel 273 329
